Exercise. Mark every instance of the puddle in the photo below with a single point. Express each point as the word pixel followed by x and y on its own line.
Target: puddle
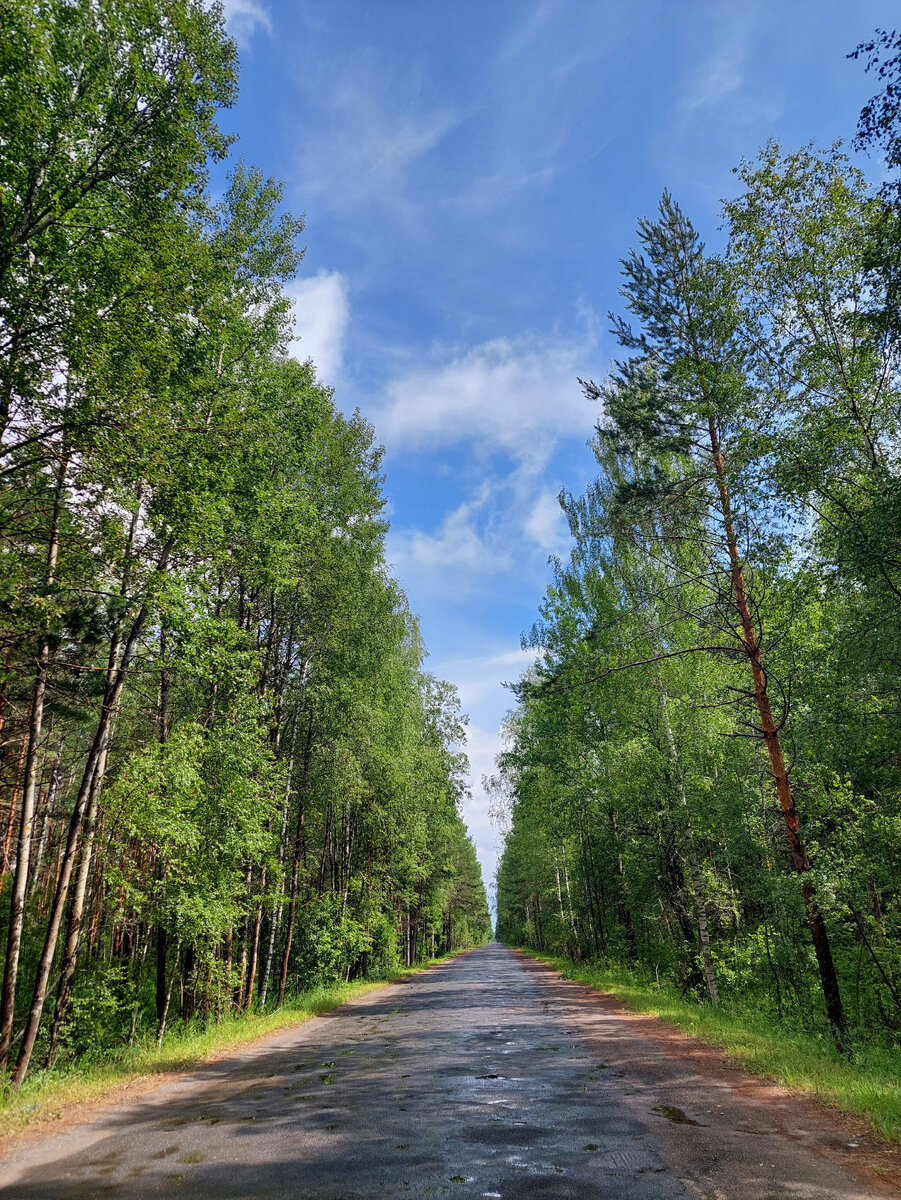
pixel 590 1146
pixel 674 1114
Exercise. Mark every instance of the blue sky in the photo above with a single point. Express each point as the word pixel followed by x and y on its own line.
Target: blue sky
pixel 471 172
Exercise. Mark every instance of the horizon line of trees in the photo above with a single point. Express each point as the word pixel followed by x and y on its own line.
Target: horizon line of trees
pixel 224 774
pixel 702 777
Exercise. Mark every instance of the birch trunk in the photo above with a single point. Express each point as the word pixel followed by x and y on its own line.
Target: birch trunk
pixel 694 866
pixel 563 928
pixel 118 671
pixel 76 910
pixel 26 821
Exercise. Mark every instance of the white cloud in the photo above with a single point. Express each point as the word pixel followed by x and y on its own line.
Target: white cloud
pixel 478 679
pixel 457 544
pixel 719 76
pixel 498 538
pixel 513 394
pixel 321 315
pixel 244 17
pixel 482 747
pixel 546 524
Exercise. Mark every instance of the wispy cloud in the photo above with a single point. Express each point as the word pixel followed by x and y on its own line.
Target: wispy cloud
pixel 321 316
pixel 719 100
pixel 244 17
pixel 477 681
pixel 367 139
pixel 545 523
pixel 721 72
pixel 457 546
pixel 517 395
pixel 718 76
pixel 499 538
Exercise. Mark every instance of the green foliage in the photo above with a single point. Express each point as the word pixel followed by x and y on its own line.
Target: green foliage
pixel 753 429
pixel 329 943
pixel 211 688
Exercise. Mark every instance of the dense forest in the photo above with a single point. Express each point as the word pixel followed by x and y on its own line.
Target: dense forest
pixel 224 774
pixel 702 776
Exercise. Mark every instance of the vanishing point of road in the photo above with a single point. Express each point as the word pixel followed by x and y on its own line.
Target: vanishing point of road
pixel 485 1076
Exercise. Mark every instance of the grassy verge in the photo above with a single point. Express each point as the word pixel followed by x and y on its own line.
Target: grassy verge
pixel 867 1085
pixel 48 1095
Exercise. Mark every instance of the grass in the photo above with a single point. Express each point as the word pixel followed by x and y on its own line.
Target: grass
pixel 49 1095
pixel 867 1085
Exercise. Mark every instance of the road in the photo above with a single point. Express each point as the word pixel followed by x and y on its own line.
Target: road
pixel 486 1076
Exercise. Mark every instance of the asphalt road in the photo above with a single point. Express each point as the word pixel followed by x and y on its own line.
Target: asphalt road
pixel 487 1076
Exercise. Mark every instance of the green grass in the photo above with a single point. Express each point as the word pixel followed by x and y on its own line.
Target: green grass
pixel 867 1085
pixel 48 1095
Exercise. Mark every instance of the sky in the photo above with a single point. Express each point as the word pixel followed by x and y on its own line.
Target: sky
pixel 471 172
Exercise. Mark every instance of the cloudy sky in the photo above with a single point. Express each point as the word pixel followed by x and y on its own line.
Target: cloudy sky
pixel 471 172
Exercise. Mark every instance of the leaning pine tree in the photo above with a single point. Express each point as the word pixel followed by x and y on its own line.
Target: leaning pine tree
pixel 683 394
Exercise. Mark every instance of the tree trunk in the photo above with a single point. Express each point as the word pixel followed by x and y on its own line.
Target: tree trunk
pixel 255 944
pixel 76 911
pixel 563 928
pixel 162 956
pixel 694 866
pixel 828 976
pixel 295 863
pixel 275 922
pixel 569 895
pixel 26 822
pixel 168 997
pixel 111 699
pixel 34 874
pixel 13 804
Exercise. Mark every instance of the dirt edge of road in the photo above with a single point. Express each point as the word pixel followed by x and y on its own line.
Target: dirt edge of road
pixel 875 1161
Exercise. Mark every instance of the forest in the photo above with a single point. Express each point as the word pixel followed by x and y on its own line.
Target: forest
pixel 701 780
pixel 225 775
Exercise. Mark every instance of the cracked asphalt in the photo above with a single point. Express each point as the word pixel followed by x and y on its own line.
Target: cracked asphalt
pixel 486 1076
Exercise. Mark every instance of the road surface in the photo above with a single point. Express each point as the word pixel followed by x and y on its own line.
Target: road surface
pixel 487 1076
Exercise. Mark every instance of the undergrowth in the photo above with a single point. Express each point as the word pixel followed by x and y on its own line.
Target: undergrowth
pixel 866 1083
